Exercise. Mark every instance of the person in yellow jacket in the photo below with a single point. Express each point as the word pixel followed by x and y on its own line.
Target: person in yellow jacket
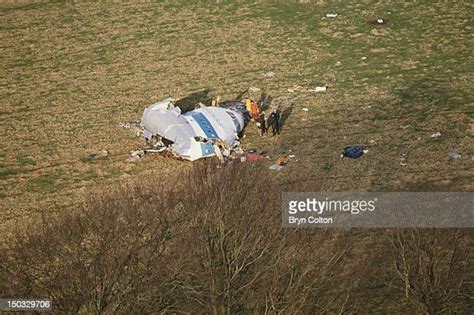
pixel 248 104
pixel 215 101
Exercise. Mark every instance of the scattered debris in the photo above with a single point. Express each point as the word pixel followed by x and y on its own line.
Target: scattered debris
pixel 268 74
pixel 283 160
pixel 294 88
pixel 403 159
pixel 238 150
pixel 154 150
pixel 363 58
pixel 200 105
pixel 454 155
pixel 89 158
pixel 378 21
pixel 254 89
pixel 104 153
pixel 129 125
pixel 436 135
pixel 275 167
pixel 353 152
pixel 305 109
pixel 133 158
pixel 338 63
pixel 138 152
pixel 135 155
pixel 331 15
pixel 319 89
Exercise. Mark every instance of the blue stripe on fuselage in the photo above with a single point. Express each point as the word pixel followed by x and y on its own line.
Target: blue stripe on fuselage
pixel 205 125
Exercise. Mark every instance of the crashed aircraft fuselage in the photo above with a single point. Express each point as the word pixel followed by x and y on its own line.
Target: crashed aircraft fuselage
pixel 195 134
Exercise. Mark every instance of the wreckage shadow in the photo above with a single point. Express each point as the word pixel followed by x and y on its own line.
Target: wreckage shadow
pixel 265 101
pixel 285 114
pixel 240 96
pixel 189 102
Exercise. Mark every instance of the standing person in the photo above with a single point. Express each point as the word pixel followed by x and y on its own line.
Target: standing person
pixel 248 104
pixel 275 121
pixel 255 110
pixel 262 123
pixel 215 101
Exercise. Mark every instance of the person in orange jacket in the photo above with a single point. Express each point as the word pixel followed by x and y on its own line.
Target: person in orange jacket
pixel 254 110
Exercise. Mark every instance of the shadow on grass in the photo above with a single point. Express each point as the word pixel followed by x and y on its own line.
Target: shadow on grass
pixel 427 92
pixel 285 115
pixel 187 103
pixel 265 101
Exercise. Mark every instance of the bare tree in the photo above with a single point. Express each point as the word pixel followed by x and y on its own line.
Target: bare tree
pixel 433 268
pixel 106 257
pixel 240 257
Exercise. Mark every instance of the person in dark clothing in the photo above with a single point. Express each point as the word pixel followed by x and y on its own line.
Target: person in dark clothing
pixel 262 123
pixel 274 121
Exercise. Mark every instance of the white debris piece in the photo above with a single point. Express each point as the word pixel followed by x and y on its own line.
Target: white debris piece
pixel 331 15
pixel 454 155
pixel 269 74
pixel 254 89
pixel 319 89
pixel 436 135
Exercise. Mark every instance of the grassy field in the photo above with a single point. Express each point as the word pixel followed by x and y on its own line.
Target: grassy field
pixel 72 71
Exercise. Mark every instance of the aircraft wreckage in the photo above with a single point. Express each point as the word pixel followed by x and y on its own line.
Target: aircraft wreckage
pixel 199 133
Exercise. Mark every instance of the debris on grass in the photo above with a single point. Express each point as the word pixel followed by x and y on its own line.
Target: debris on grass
pixel 294 89
pixel 269 74
pixel 134 126
pixel 436 135
pixel 354 152
pixel 254 89
pixel 378 21
pixel 129 125
pixel 331 15
pixel 89 158
pixel 283 160
pixel 275 167
pixel 454 155
pixel 95 156
pixel 133 158
pixel 305 109
pixel 251 157
pixel 319 89
pixel 135 155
